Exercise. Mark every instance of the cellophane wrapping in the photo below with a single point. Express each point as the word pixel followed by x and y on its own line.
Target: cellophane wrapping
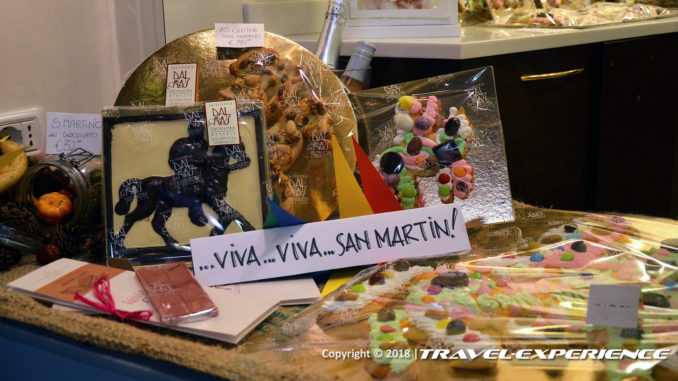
pixel 522 286
pixel 175 294
pixel 557 14
pixel 164 185
pixel 304 104
pixel 439 140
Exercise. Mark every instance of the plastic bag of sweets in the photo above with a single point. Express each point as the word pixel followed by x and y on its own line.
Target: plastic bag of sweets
pixel 512 307
pixel 438 141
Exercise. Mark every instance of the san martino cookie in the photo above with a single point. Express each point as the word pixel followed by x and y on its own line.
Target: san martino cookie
pixel 357 303
pixel 533 299
pixel 428 155
pixel 295 116
pixel 667 370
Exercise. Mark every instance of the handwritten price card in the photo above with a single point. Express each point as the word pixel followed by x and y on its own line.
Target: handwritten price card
pixel 66 132
pixel 239 35
pixel 613 305
pixel 181 84
pixel 272 253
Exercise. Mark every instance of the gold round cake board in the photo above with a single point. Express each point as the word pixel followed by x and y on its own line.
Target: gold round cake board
pixel 146 86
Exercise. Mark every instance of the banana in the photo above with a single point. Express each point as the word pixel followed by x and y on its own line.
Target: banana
pixel 11 174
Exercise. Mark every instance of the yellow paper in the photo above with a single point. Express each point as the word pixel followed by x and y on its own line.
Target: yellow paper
pixel 337 279
pixel 352 201
pixel 7 158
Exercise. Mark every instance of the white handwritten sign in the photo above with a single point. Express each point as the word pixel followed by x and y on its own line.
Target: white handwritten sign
pixel 222 123
pixel 181 84
pixel 66 132
pixel 263 254
pixel 239 35
pixel 613 305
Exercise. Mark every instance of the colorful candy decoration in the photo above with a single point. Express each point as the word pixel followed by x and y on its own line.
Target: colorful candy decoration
pixel 426 145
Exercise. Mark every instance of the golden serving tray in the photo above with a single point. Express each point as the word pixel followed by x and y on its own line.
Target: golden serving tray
pixel 146 86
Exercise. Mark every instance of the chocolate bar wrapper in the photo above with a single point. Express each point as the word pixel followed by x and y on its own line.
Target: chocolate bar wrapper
pixel 175 294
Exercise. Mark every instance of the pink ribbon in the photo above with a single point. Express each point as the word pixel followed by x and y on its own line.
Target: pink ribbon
pixel 102 291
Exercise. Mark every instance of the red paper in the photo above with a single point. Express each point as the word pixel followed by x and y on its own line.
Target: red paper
pixel 378 194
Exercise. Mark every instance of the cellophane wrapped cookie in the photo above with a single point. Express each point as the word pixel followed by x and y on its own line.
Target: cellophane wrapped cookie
pixel 439 141
pixel 575 14
pixel 304 103
pixel 523 286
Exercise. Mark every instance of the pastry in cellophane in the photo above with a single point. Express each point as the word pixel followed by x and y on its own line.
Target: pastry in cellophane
pixel 304 105
pixel 531 297
pixel 438 141
pixel 428 144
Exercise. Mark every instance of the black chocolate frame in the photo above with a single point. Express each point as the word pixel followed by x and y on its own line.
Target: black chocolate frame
pixel 156 254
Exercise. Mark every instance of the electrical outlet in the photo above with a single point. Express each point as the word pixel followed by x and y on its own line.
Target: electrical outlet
pixel 24 127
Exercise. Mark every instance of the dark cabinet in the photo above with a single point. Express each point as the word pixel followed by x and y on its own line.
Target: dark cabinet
pixel 547 129
pixel 598 132
pixel 638 155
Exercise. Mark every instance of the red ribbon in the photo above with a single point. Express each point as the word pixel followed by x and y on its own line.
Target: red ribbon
pixel 102 291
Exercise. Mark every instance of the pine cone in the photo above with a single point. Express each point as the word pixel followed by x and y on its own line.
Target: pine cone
pixel 20 215
pixel 68 238
pixel 8 258
pixel 95 246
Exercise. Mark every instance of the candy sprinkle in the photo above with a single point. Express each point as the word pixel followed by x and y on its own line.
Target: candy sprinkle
pixel 385 337
pixel 471 338
pixel 567 257
pixel 444 178
pixel 536 257
pixel 442 324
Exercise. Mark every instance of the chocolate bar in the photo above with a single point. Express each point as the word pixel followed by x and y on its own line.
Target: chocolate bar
pixel 175 294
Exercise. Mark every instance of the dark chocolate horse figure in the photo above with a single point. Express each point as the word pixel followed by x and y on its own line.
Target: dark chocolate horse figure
pixel 200 178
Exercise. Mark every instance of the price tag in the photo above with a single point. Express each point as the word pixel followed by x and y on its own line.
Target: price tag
pixel 66 132
pixel 222 123
pixel 613 305
pixel 181 84
pixel 239 35
pixel 327 245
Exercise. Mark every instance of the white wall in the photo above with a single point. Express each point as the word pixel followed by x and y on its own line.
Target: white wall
pixel 279 16
pixel 71 55
pixel 187 16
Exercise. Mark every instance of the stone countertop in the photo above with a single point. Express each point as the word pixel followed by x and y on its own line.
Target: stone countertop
pixel 481 41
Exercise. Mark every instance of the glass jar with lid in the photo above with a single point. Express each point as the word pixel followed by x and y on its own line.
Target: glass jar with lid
pixel 76 174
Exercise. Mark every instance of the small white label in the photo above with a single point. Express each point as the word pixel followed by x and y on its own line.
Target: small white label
pixel 222 123
pixel 181 84
pixel 318 246
pixel 66 132
pixel 239 35
pixel 613 305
